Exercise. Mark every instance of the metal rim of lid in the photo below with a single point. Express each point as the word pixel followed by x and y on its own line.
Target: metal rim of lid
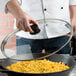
pixel 17 30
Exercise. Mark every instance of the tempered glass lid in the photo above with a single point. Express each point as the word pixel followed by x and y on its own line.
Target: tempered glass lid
pixel 26 48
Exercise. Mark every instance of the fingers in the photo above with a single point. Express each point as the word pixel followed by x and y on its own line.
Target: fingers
pixel 20 25
pixel 73 22
pixel 27 25
pixel 24 27
pixel 74 28
pixel 24 24
pixel 43 51
pixel 33 22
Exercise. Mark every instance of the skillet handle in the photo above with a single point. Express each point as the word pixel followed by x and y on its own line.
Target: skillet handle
pixel 74 58
pixel 2 69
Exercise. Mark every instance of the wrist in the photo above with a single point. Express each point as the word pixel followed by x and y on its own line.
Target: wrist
pixel 21 15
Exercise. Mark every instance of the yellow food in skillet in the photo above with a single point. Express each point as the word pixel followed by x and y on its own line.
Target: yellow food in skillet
pixel 38 66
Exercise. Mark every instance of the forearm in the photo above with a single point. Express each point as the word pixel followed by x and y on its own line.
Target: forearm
pixel 73 11
pixel 73 17
pixel 14 8
pixel 23 20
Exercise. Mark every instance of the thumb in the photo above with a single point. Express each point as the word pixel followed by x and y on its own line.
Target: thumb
pixel 34 22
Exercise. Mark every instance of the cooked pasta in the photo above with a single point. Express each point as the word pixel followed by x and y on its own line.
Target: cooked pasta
pixel 38 66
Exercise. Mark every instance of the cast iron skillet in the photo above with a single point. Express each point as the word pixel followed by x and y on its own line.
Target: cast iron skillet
pixel 57 58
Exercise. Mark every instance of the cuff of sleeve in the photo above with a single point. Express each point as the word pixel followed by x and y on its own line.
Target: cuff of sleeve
pixel 20 2
pixel 72 2
pixel 3 7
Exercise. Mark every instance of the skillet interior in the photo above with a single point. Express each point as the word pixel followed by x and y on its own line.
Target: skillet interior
pixel 56 58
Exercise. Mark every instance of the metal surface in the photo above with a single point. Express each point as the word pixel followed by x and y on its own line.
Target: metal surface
pixel 65 58
pixel 73 73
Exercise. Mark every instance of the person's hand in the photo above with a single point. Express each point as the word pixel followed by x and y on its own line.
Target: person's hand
pixel 23 22
pixel 73 22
